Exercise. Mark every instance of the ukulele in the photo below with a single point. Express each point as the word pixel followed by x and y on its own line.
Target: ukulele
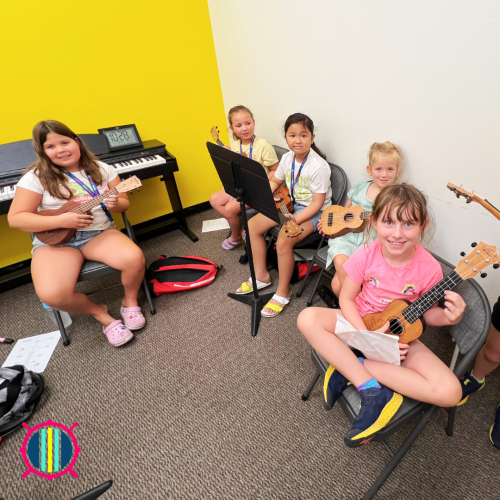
pixel 63 235
pixel 215 136
pixel 459 191
pixel 337 221
pixel 405 317
pixel 284 205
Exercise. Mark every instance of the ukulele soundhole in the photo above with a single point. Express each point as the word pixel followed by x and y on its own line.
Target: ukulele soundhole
pixel 396 327
pixel 348 218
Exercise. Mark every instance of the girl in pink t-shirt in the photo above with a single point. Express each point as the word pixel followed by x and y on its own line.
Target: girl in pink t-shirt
pixel 394 267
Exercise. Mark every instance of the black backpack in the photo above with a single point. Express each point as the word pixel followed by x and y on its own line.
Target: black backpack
pixel 20 392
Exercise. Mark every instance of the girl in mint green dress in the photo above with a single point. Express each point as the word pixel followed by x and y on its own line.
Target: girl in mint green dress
pixel 384 168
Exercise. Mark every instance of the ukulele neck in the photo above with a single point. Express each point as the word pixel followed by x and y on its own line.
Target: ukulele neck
pixel 364 215
pixel 90 204
pixel 434 295
pixel 219 142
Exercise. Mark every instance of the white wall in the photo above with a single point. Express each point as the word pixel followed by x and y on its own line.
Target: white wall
pixel 425 75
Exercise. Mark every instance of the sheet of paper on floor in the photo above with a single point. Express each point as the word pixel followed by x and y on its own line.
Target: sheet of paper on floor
pixel 34 352
pixel 214 225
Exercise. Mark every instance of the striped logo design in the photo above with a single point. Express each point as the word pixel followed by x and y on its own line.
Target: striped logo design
pixel 50 450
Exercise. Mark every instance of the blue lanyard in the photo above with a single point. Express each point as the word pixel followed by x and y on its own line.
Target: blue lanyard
pixel 251 147
pixel 93 191
pixel 294 179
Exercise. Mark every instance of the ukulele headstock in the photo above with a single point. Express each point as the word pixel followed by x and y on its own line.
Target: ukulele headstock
pixel 480 258
pixel 292 229
pixel 461 192
pixel 215 133
pixel 129 184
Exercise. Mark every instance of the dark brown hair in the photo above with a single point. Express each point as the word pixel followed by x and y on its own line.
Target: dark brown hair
pixel 410 204
pixel 52 176
pixel 232 112
pixel 308 124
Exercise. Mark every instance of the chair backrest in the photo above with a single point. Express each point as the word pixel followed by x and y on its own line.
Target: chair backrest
pixel 338 177
pixel 471 332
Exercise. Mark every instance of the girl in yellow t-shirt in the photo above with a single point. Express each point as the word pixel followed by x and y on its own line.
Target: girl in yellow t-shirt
pixel 242 125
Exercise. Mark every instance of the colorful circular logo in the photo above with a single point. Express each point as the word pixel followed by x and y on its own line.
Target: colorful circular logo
pixel 50 450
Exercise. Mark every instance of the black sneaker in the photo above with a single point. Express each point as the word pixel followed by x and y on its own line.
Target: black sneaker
pixel 378 406
pixel 469 386
pixel 335 383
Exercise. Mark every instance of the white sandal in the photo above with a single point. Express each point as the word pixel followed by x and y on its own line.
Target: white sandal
pixel 249 289
pixel 276 309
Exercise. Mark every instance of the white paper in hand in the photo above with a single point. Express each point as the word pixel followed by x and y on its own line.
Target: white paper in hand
pixel 374 345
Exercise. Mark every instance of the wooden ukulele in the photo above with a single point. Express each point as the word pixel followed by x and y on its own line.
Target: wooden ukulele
pixel 284 205
pixel 405 317
pixel 337 221
pixel 459 191
pixel 63 235
pixel 215 136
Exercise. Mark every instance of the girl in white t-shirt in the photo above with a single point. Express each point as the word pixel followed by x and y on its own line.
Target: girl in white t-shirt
pixel 242 126
pixel 307 176
pixel 66 170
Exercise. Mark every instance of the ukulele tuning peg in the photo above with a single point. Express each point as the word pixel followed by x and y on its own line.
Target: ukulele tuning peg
pixel 457 194
pixel 483 275
pixel 468 200
pixel 473 245
pixel 462 254
pixel 496 266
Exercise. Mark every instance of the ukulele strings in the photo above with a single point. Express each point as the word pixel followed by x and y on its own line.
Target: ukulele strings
pixel 85 207
pixel 341 218
pixel 440 287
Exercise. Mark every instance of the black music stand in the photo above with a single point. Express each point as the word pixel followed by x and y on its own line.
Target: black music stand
pixel 246 180
pixel 95 492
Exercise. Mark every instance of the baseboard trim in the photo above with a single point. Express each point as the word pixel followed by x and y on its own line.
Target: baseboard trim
pixel 19 274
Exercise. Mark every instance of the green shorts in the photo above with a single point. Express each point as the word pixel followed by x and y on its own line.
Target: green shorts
pixel 347 245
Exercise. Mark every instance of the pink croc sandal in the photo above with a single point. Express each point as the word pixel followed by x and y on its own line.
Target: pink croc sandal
pixel 229 244
pixel 132 317
pixel 117 333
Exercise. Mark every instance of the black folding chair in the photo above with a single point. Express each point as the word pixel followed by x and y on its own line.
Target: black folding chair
pixel 91 269
pixel 469 335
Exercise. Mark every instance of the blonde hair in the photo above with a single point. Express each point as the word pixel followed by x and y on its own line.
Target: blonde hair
pixel 410 204
pixel 232 112
pixel 386 148
pixel 52 176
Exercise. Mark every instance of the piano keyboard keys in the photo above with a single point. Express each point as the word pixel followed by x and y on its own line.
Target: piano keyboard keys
pixel 7 192
pixel 137 163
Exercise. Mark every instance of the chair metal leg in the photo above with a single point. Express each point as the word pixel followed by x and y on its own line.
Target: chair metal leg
pixel 451 420
pixel 403 449
pixel 311 385
pixel 60 325
pixel 145 287
pixel 316 284
pixel 306 277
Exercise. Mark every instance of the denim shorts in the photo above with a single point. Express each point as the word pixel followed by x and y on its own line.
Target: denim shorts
pixel 297 208
pixel 78 241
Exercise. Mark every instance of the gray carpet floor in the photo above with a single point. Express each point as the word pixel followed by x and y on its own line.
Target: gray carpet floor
pixel 194 407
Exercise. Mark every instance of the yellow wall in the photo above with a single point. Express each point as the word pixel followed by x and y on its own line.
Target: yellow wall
pixel 97 64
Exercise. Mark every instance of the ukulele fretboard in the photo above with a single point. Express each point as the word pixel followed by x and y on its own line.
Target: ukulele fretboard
pixel 428 299
pixel 88 205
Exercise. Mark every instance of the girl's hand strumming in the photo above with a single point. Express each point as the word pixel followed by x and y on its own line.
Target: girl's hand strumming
pixel 73 220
